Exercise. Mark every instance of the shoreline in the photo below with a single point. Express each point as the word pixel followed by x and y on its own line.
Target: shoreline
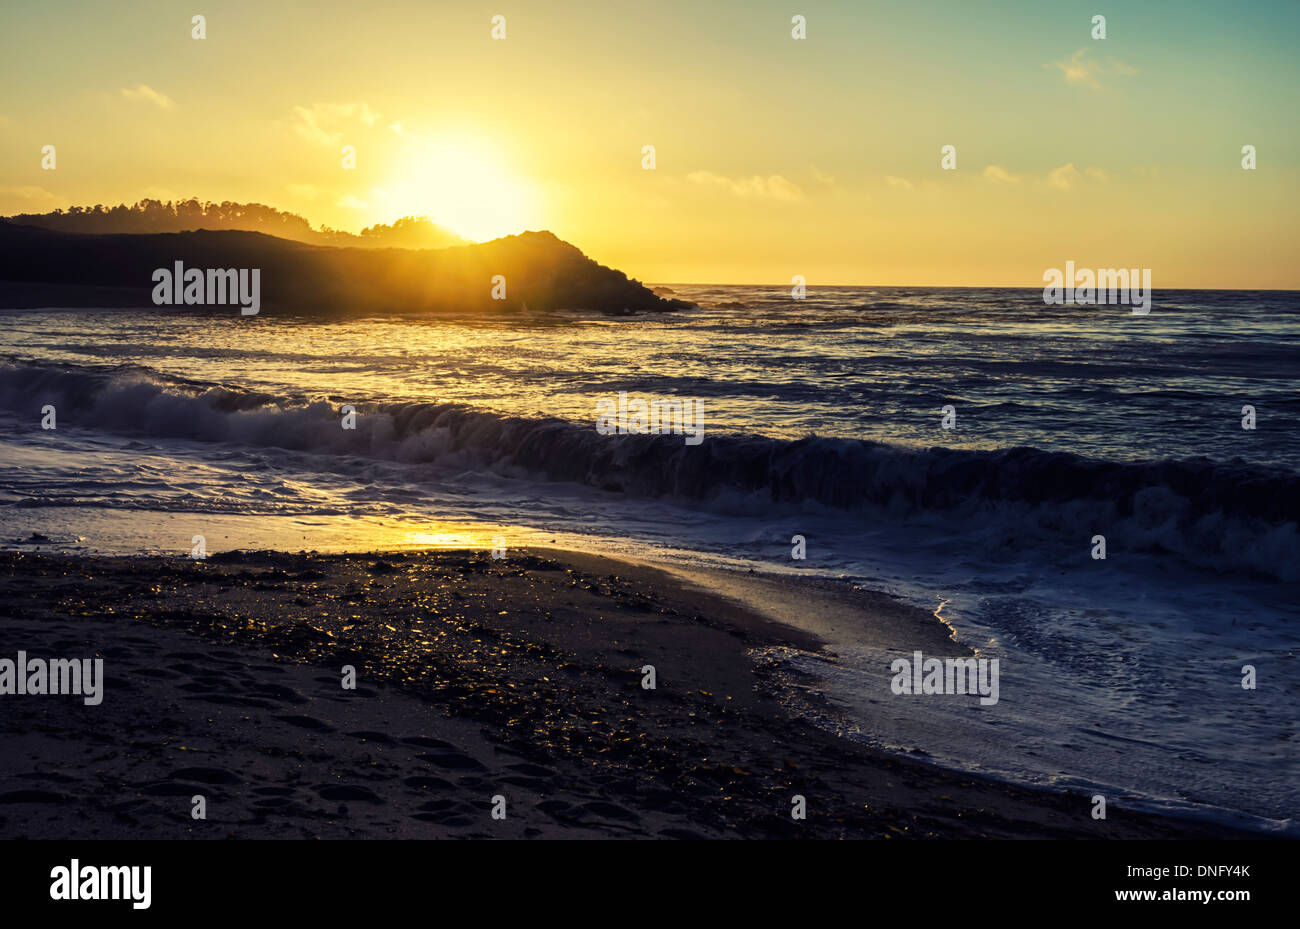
pixel 476 678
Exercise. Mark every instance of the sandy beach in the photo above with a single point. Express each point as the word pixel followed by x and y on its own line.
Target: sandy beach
pixel 519 679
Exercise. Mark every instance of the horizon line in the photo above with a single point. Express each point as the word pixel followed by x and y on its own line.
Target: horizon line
pixel 1276 290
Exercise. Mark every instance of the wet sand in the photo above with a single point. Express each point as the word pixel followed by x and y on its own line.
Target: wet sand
pixel 476 679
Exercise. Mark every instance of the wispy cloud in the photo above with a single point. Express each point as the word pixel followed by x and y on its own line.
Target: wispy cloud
pixel 1083 71
pixel 147 94
pixel 774 187
pixel 898 183
pixel 1001 175
pixel 352 203
pixel 21 198
pixel 1067 176
pixel 323 123
pixel 1064 177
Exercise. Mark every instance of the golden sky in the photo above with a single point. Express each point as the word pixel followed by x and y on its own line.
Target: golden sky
pixel 773 156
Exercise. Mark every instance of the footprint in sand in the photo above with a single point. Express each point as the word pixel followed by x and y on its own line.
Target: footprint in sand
pixel 273 791
pixel 340 793
pixel 439 806
pixel 424 742
pixel 206 775
pixel 46 776
pixel 445 818
pixel 32 796
pixel 271 803
pixel 452 760
pixel 224 700
pixel 276 692
pixel 306 722
pixel 527 783
pixel 170 789
pixel 611 811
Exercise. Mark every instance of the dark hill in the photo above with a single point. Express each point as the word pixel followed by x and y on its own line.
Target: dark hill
pixel 40 267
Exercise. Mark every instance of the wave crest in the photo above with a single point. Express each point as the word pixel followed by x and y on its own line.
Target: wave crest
pixel 1226 516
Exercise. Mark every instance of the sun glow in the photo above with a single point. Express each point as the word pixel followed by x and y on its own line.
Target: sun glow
pixel 462 185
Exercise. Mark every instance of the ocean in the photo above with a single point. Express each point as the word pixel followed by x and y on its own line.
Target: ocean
pixel 823 418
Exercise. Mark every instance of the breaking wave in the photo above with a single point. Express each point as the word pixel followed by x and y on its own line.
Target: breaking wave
pixel 1224 516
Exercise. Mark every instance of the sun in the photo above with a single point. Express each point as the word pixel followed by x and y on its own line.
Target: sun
pixel 463 185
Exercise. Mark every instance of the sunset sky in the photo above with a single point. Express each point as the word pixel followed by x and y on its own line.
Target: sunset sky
pixel 775 157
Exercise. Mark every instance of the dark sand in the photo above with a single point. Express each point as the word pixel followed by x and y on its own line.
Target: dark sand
pixel 476 678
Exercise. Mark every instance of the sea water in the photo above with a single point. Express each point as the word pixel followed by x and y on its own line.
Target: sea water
pixel 825 419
